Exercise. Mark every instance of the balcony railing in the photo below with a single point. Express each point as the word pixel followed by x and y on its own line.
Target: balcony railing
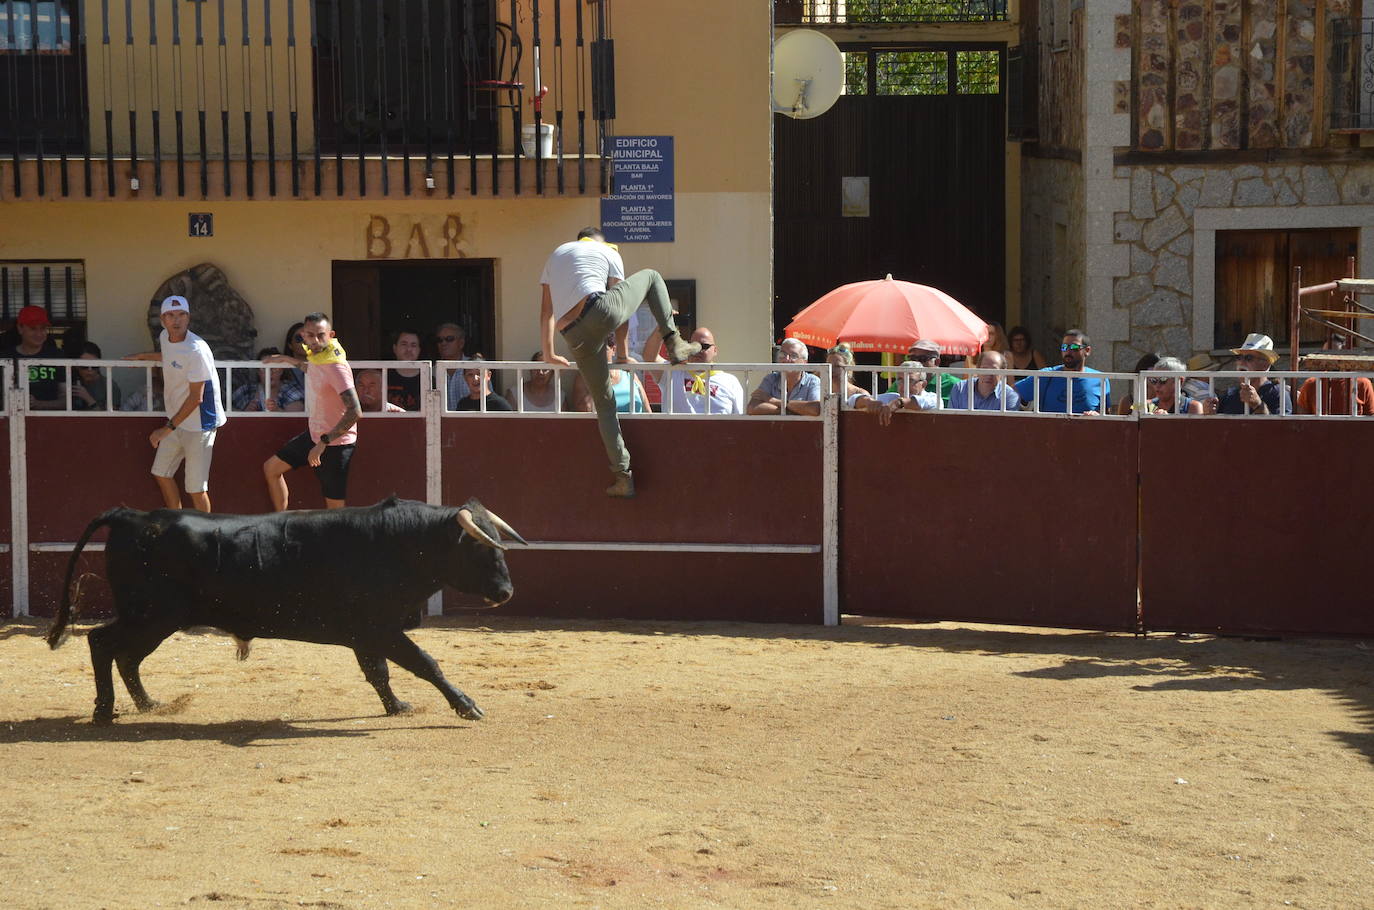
pixel 1350 68
pixel 872 12
pixel 315 98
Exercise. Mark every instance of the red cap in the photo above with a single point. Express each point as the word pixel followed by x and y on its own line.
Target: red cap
pixel 33 315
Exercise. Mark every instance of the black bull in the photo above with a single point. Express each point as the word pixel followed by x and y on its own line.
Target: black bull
pixel 357 577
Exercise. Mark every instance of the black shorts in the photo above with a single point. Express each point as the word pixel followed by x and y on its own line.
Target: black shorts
pixel 333 469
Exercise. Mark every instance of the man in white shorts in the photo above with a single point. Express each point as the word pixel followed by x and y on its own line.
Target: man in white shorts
pixel 194 412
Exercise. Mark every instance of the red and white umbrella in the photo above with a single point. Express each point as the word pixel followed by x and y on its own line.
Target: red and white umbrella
pixel 889 315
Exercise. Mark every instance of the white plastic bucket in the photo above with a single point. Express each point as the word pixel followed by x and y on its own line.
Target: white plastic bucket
pixel 545 140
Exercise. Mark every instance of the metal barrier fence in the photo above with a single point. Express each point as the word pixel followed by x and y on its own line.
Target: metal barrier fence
pixel 753 509
pixel 438 449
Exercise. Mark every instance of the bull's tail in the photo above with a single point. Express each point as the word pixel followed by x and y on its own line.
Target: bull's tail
pixel 57 631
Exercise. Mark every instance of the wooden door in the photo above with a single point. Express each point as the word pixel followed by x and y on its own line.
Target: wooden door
pixel 357 308
pixel 1254 270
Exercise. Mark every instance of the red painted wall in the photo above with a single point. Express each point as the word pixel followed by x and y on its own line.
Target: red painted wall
pixel 1256 526
pixel 996 519
pixel 698 481
pixel 80 466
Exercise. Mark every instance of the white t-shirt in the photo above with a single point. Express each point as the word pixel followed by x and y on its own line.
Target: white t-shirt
pixel 183 363
pixel 688 392
pixel 579 268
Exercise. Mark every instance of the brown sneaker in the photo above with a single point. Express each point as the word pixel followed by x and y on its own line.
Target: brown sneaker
pixel 624 486
pixel 679 350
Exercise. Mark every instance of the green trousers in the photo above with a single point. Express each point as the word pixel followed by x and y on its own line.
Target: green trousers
pixel 586 339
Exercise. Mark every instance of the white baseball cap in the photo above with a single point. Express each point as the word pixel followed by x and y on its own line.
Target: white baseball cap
pixel 175 304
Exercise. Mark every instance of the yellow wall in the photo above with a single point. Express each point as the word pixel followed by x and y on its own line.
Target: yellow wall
pixel 278 256
pixel 697 72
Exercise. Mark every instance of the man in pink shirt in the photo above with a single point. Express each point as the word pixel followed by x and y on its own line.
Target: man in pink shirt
pixel 332 409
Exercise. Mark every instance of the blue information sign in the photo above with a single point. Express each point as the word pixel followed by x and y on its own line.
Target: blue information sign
pixel 641 208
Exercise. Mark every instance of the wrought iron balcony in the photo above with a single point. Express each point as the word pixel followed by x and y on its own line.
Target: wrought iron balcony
pixel 306 98
pixel 873 12
pixel 1350 68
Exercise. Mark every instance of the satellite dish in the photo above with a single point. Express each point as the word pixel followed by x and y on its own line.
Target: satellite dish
pixel 808 74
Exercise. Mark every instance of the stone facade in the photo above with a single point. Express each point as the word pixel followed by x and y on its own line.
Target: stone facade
pixel 1158 293
pixel 1053 246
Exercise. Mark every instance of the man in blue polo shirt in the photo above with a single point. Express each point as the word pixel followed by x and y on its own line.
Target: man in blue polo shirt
pixel 1090 396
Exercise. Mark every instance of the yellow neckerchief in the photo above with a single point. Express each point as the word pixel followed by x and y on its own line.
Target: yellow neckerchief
pixel 334 353
pixel 701 383
pixel 594 240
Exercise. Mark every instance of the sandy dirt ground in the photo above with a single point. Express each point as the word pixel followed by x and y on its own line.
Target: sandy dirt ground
pixel 679 765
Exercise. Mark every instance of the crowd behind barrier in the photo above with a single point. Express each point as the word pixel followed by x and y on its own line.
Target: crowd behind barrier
pixel 734 533
pixel 126 387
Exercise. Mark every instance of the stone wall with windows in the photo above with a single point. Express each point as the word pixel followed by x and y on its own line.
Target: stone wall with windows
pixel 1160 229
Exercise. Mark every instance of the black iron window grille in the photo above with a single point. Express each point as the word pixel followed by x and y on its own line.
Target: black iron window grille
pixel 944 71
pixel 354 95
pixel 1350 68
pixel 869 12
pixel 58 287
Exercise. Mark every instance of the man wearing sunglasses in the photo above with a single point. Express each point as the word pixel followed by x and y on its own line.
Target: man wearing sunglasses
pixel 450 341
pixel 1064 394
pixel 1260 395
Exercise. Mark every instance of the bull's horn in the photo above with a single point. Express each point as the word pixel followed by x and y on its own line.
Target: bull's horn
pixel 505 528
pixel 465 519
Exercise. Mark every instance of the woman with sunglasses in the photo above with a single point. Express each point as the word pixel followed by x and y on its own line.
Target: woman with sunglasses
pixel 1167 394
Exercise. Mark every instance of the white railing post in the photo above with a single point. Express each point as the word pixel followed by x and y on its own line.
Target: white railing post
pixel 433 405
pixel 830 505
pixel 18 392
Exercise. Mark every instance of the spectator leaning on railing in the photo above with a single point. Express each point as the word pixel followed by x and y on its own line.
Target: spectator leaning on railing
pixel 910 395
pixel 1260 394
pixel 927 353
pixel 989 392
pixel 841 359
pixel 1090 396
pixel 803 389
pixel 1167 394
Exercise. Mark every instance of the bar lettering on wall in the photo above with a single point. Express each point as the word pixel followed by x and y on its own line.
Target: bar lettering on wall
pixel 413 237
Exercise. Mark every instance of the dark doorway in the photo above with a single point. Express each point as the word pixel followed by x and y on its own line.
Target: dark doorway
pixel 922 128
pixel 374 299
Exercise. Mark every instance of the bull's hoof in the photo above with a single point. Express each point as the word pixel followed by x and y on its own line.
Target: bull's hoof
pixel 148 705
pixel 398 707
pixel 470 711
pixel 102 718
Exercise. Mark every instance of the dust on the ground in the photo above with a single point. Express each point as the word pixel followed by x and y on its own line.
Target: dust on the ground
pixel 641 764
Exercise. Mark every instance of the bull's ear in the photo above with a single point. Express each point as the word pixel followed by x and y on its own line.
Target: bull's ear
pixel 466 522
